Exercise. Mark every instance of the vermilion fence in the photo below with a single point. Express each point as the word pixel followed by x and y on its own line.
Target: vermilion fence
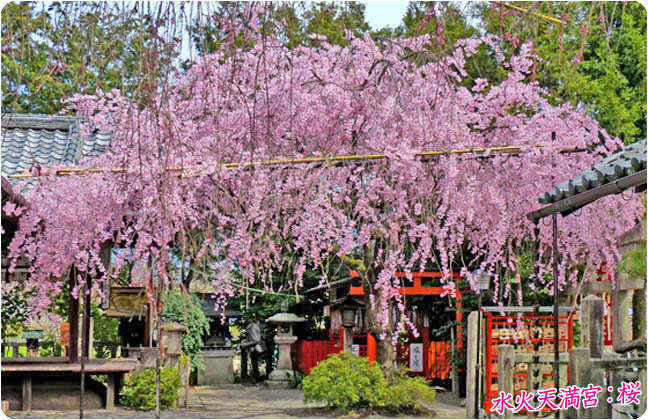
pixel 307 354
pixel 438 360
pixel 528 333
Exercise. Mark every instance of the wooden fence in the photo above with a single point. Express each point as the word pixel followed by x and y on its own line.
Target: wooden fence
pixel 308 354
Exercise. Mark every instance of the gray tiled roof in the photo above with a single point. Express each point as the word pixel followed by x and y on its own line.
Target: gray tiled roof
pixel 630 160
pixel 31 140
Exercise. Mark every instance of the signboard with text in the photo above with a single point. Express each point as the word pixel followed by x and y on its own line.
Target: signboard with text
pixel 65 334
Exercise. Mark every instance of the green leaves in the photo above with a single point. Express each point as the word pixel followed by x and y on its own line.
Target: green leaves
pixel 51 53
pixel 139 390
pixel 348 382
pixel 633 263
pixel 596 62
pixel 185 309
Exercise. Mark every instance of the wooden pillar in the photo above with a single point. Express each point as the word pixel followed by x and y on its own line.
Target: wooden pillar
pixel 505 369
pixel 110 391
pixel 27 393
pixel 73 318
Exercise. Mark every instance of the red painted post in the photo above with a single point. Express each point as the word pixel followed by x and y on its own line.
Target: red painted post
pixel 570 332
pixel 488 364
pixel 446 358
pixel 318 351
pixel 302 355
pixel 459 318
pixel 371 348
pixel 314 360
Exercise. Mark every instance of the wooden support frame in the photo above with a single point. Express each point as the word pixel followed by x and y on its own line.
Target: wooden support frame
pixel 111 386
pixel 27 393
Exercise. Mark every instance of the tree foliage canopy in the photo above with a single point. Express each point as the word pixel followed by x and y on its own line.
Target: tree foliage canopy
pixel 596 59
pixel 272 101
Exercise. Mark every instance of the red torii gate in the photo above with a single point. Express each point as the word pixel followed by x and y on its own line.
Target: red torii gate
pixel 417 289
pixel 308 354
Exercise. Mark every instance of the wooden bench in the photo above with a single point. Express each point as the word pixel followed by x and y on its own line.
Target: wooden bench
pixel 57 367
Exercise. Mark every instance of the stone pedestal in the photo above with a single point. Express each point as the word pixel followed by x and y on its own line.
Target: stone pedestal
pixel 173 357
pixel 283 374
pixel 219 368
pixel 348 339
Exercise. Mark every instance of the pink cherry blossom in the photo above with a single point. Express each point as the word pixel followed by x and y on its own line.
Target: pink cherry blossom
pixel 270 102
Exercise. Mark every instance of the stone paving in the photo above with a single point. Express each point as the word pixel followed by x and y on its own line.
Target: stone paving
pixel 237 402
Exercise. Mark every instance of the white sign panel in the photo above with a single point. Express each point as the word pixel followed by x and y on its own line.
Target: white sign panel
pixel 355 349
pixel 416 357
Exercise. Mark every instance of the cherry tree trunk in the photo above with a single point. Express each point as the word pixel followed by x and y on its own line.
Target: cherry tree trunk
pixel 383 335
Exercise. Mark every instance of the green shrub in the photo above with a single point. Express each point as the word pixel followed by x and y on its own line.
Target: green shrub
pixel 296 380
pixel 349 382
pixel 139 390
pixel 633 263
pixel 409 393
pixel 49 348
pixel 346 381
pixel 185 309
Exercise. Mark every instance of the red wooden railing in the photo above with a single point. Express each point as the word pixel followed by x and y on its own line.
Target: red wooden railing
pixel 438 360
pixel 308 354
pixel 523 342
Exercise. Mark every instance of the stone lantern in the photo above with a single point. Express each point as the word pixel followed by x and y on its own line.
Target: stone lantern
pixel 173 356
pixel 282 375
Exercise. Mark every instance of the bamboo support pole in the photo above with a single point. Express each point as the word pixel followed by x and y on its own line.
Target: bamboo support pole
pixel 298 161
pixel 523 10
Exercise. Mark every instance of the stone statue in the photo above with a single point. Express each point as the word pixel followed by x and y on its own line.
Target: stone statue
pixel 253 342
pixel 255 346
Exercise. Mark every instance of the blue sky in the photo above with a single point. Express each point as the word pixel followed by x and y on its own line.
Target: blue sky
pixel 384 13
